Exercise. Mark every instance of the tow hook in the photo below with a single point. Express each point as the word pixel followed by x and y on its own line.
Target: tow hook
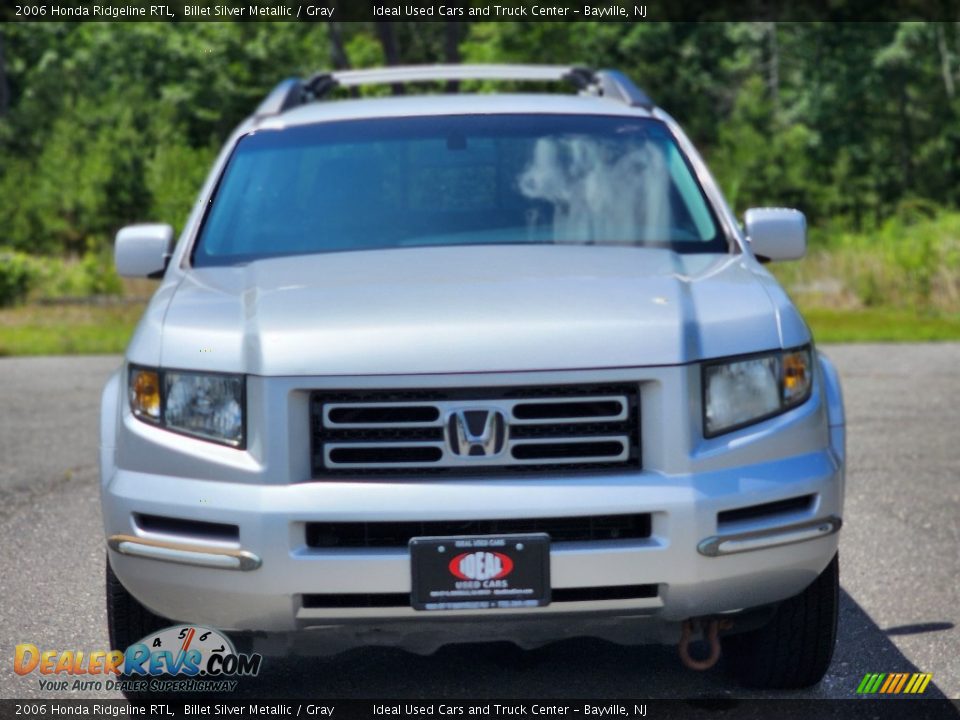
pixel 710 630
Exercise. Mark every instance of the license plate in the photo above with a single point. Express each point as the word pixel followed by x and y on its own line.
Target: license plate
pixel 471 572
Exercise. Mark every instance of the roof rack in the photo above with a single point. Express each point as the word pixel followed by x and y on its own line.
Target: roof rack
pixel 604 83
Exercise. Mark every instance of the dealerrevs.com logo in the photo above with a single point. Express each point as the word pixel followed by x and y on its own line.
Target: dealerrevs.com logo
pixel 182 658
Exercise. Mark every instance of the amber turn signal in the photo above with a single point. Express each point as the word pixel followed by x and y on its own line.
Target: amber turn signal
pixel 796 376
pixel 145 394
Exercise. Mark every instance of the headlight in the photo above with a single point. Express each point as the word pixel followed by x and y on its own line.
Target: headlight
pixel 207 406
pixel 741 392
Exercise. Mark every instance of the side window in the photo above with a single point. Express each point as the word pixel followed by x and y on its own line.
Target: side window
pixel 697 220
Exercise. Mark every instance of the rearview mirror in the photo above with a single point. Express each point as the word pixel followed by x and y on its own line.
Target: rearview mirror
pixel 143 250
pixel 776 233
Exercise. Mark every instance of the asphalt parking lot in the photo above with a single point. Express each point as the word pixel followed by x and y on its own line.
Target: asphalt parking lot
pixel 900 552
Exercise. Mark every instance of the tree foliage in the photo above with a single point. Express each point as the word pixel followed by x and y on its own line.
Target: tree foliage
pixel 102 124
pixel 110 123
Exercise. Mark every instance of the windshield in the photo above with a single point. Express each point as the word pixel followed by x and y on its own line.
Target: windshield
pixel 456 180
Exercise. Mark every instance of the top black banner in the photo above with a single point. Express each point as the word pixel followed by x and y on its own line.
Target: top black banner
pixel 477 10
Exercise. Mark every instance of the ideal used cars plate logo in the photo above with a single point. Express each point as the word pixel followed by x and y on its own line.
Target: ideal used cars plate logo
pixel 481 565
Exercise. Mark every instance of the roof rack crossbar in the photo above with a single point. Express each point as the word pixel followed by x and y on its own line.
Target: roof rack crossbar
pixel 324 82
pixel 607 83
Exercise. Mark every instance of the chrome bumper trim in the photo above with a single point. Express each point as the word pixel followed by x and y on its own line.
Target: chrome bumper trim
pixel 184 554
pixel 770 537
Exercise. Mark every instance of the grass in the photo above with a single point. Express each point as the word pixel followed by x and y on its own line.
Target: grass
pixel 95 329
pixel 880 325
pixel 905 263
pixel 67 329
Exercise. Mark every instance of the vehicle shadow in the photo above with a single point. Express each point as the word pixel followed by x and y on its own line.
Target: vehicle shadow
pixel 576 668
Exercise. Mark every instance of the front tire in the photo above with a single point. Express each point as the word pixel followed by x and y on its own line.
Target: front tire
pixel 794 649
pixel 127 620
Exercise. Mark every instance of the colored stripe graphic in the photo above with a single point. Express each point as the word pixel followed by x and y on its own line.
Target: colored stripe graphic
pixel 891 680
pixel 903 681
pixel 894 683
pixel 918 683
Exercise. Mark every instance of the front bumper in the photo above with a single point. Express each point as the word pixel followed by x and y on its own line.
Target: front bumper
pixel 272 527
pixel 685 557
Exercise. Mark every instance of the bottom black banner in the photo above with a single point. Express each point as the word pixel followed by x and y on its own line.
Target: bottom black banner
pixel 718 709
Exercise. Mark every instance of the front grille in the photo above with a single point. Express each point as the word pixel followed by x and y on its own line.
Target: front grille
pixel 398 534
pixel 475 431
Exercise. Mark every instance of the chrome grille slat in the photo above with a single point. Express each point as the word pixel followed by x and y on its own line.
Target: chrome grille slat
pixel 333 407
pixel 439 430
pixel 622 454
pixel 443 407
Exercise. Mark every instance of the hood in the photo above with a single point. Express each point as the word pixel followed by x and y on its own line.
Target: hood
pixel 470 309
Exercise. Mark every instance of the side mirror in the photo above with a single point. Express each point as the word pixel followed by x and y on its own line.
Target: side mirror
pixel 776 233
pixel 143 250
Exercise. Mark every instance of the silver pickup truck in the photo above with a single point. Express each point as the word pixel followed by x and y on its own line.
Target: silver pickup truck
pixel 433 368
